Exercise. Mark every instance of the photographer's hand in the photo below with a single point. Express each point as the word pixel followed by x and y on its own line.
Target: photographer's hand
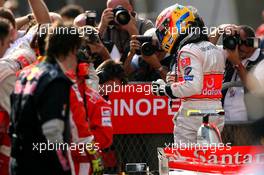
pixel 134 44
pixel 107 16
pixel 233 56
pixel 100 49
pixel 131 27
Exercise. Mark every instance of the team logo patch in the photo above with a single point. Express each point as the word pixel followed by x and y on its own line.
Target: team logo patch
pixel 106 121
pixel 185 62
pixel 188 78
pixel 106 112
pixel 187 70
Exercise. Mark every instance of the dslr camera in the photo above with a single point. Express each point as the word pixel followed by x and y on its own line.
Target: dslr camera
pixel 231 41
pixel 121 15
pixel 147 46
pixel 91 17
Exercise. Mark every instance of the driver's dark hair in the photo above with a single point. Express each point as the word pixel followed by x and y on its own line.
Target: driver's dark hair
pixel 7 14
pixel 4 29
pixel 62 43
pixel 250 32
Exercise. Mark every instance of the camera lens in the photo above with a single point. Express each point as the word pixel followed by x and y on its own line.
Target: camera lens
pixel 122 16
pixel 91 18
pixel 147 49
pixel 230 42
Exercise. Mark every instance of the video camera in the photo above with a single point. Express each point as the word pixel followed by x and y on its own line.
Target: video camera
pixel 231 41
pixel 147 46
pixel 121 15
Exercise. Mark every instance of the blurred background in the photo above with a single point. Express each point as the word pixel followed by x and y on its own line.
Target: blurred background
pixel 215 12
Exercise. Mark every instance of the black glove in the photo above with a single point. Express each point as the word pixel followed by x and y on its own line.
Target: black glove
pixel 160 88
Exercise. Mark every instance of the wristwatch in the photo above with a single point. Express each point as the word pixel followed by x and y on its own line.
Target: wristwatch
pixel 30 17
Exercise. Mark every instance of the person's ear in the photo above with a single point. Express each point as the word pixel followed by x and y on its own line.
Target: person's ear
pixel 13 35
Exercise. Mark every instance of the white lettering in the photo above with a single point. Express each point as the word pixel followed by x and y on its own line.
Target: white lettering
pixel 248 159
pixel 237 155
pixel 116 107
pixel 260 158
pixel 196 154
pixel 227 156
pixel 148 107
pixel 156 105
pixel 212 159
pixel 124 105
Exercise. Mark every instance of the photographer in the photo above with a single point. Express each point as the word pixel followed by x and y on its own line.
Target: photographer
pixel 119 22
pixel 253 81
pixel 86 18
pixel 241 39
pixel 146 60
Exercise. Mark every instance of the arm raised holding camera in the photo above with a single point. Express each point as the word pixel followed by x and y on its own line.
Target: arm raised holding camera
pixel 107 17
pixel 248 79
pixel 229 29
pixel 134 45
pixel 131 27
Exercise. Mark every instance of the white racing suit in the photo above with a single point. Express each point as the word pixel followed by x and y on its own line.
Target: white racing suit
pixel 200 69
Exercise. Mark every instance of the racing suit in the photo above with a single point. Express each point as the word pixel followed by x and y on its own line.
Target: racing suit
pixel 40 116
pixel 9 66
pixel 200 67
pixel 4 142
pixel 91 125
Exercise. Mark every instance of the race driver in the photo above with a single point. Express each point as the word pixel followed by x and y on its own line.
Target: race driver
pixel 199 67
pixel 90 114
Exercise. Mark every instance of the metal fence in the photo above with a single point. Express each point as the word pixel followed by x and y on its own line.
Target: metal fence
pixel 143 148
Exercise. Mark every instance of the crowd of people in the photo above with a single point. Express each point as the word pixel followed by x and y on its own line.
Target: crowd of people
pixel 52 64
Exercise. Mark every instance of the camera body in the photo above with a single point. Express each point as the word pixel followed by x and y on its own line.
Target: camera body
pixel 91 17
pixel 231 41
pixel 147 47
pixel 121 15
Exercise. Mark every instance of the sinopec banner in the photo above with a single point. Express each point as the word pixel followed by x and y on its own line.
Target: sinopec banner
pixel 137 111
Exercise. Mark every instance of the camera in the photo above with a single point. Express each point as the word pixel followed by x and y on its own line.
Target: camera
pixel 147 48
pixel 231 41
pixel 121 15
pixel 91 17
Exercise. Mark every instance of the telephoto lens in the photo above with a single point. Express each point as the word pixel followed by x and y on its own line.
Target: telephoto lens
pixel 91 18
pixel 121 15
